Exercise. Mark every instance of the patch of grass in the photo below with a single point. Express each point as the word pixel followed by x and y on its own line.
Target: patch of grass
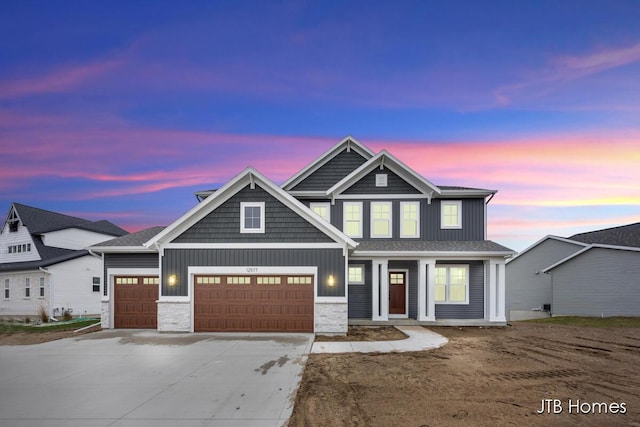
pixel 593 322
pixel 12 328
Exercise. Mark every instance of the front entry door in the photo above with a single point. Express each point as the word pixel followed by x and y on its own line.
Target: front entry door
pixel 397 293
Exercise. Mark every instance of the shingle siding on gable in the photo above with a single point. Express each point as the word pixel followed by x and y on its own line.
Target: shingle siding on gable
pixel 475 308
pixel 395 184
pixel 473 221
pixel 597 282
pixel 331 172
pixel 223 224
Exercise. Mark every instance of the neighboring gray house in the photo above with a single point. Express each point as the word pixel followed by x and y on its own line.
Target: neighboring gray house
pixel 354 237
pixel 588 274
pixel 44 263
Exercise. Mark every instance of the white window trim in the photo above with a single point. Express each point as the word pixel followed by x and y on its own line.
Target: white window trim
pixel 27 287
pixel 361 266
pixel 451 202
pixel 381 180
pixel 259 205
pixel 322 204
pixel 344 218
pixel 6 286
pixel 41 288
pixel 448 267
pixel 382 236
pixel 402 234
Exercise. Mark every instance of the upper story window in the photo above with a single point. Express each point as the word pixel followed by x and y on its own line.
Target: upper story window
pixel 451 214
pixel 322 209
pixel 409 219
pixel 13 221
pixel 381 219
pixel 17 249
pixel 252 217
pixel 356 274
pixel 352 219
pixel 452 284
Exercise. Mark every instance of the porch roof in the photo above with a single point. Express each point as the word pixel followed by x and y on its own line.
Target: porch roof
pixel 431 247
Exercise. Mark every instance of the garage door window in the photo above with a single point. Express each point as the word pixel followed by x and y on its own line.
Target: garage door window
pixel 269 280
pixel 208 280
pixel 238 280
pixel 299 280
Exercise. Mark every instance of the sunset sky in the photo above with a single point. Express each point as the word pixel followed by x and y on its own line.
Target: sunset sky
pixel 121 110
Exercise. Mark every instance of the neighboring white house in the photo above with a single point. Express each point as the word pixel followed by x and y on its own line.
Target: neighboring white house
pixel 589 274
pixel 44 263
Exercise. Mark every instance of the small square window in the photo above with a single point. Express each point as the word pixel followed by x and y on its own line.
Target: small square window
pixel 381 180
pixel 252 217
pixel 356 274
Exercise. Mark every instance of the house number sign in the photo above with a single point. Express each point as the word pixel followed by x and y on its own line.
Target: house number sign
pixel 252 269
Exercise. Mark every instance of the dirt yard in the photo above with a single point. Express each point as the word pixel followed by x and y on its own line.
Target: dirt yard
pixel 488 376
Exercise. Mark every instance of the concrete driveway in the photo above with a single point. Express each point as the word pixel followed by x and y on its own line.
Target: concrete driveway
pixel 145 378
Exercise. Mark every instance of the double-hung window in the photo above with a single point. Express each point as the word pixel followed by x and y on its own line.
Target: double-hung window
pixel 27 287
pixel 452 284
pixel 42 287
pixel 322 209
pixel 352 219
pixel 252 217
pixel 451 214
pixel 6 288
pixel 381 219
pixel 409 219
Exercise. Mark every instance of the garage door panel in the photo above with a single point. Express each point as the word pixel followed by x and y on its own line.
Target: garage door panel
pixel 253 303
pixel 135 303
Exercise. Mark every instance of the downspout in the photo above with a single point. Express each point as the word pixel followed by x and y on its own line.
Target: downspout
pixel 45 271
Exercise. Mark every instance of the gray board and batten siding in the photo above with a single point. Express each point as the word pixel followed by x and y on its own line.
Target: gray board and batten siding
pixel 331 172
pixel 128 260
pixel 360 296
pixel 328 261
pixel 282 225
pixel 527 287
pixel 598 282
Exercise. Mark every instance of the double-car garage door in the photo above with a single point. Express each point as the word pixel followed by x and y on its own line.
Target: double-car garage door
pixel 253 303
pixel 233 303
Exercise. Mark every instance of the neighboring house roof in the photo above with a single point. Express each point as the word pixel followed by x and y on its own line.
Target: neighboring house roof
pixel 588 248
pixel 40 221
pixel 385 160
pixel 545 238
pixel 349 143
pixel 482 247
pixel 625 235
pixel 251 177
pixel 56 257
pixel 133 242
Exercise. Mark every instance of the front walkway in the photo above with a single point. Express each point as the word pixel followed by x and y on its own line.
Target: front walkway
pixel 419 339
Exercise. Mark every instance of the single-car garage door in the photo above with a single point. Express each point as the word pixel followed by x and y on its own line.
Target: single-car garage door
pixel 135 303
pixel 252 303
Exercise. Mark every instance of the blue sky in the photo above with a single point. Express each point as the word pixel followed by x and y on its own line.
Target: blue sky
pixel 121 110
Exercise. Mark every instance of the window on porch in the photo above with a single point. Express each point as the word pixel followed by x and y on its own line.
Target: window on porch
pixel 452 284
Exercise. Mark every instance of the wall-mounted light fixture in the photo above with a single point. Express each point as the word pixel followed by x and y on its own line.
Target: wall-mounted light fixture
pixel 331 281
pixel 173 279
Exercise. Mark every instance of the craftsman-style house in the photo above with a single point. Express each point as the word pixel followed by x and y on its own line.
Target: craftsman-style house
pixel 354 237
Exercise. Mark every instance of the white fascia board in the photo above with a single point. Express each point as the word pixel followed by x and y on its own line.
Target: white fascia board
pixel 334 245
pixel 121 249
pixel 393 164
pixel 547 237
pixel 588 248
pixel 324 158
pixel 200 210
pixel 407 197
pixel 430 254
pixel 467 193
pixel 309 194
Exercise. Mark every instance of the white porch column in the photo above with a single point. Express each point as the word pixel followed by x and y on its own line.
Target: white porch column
pixel 431 290
pixel 501 292
pixel 384 290
pixel 495 288
pixel 375 291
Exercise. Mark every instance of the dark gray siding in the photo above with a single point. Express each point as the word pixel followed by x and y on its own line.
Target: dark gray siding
pixel 395 184
pixel 281 223
pixel 473 221
pixel 149 260
pixel 412 266
pixel 599 282
pixel 328 261
pixel 360 295
pixel 331 172
pixel 475 308
pixel 526 286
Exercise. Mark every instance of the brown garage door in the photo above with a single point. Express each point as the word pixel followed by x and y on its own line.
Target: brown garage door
pixel 135 302
pixel 247 303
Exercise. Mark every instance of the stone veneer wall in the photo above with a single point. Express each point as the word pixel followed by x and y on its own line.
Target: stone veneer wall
pixel 105 315
pixel 174 316
pixel 331 318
